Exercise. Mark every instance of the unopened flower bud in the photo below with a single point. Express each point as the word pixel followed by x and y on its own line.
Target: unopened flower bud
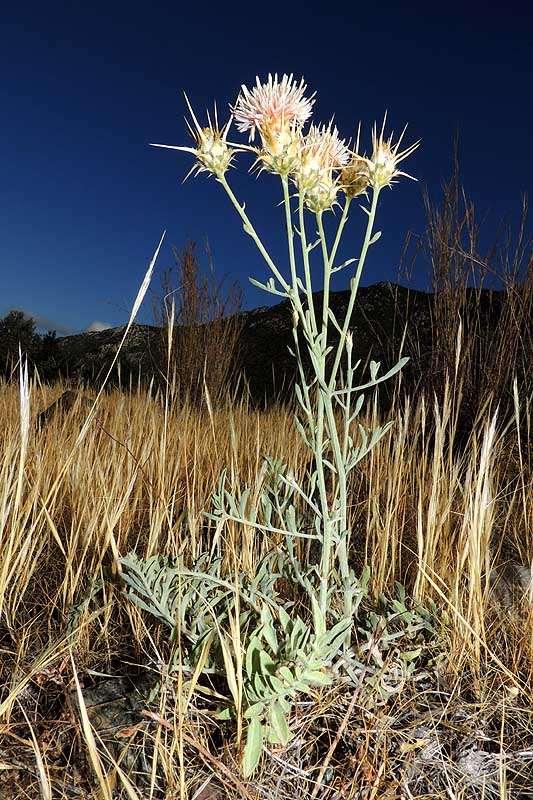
pixel 323 195
pixel 213 151
pixel 349 341
pixel 386 156
pixel 280 148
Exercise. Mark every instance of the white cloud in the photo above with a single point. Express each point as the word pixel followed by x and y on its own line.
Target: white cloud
pixel 98 326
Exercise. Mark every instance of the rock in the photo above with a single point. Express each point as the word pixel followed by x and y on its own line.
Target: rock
pixel 511 583
pixel 64 403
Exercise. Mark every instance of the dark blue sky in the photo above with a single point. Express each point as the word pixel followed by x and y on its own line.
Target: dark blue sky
pixel 85 87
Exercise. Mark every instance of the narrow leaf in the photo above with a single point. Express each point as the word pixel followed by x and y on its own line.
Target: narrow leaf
pixel 252 750
pixel 279 723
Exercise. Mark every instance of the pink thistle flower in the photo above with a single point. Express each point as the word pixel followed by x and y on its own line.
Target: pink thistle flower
pixel 322 152
pixel 272 106
pixel 323 149
pixel 277 109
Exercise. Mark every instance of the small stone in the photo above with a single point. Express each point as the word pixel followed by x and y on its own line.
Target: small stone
pixel 64 403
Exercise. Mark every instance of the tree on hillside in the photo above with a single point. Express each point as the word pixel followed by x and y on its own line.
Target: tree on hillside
pixel 16 330
pixel 47 356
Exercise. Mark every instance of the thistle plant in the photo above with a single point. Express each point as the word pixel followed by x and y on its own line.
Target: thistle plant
pixel 319 172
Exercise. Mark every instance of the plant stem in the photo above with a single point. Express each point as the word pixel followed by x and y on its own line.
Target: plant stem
pixel 249 228
pixel 307 267
pixel 290 235
pixel 355 286
pixel 340 229
pixel 327 281
pixel 326 401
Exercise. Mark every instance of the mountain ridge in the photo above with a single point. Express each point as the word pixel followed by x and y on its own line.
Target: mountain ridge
pixel 387 318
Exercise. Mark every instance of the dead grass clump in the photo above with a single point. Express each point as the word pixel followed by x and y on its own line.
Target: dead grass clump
pixel 201 327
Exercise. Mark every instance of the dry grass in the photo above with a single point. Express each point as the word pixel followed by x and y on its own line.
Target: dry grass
pixel 462 265
pixel 201 328
pixel 424 512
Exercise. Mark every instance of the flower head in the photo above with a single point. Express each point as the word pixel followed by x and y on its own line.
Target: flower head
pixel 383 166
pixel 322 196
pixel 277 109
pixel 213 152
pixel 355 176
pixel 322 153
pixel 271 105
pixel 322 149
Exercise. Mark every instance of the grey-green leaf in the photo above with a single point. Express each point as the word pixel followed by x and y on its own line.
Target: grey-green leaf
pixel 252 750
pixel 279 723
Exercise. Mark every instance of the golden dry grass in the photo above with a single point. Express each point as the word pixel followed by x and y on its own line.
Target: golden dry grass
pixel 424 512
